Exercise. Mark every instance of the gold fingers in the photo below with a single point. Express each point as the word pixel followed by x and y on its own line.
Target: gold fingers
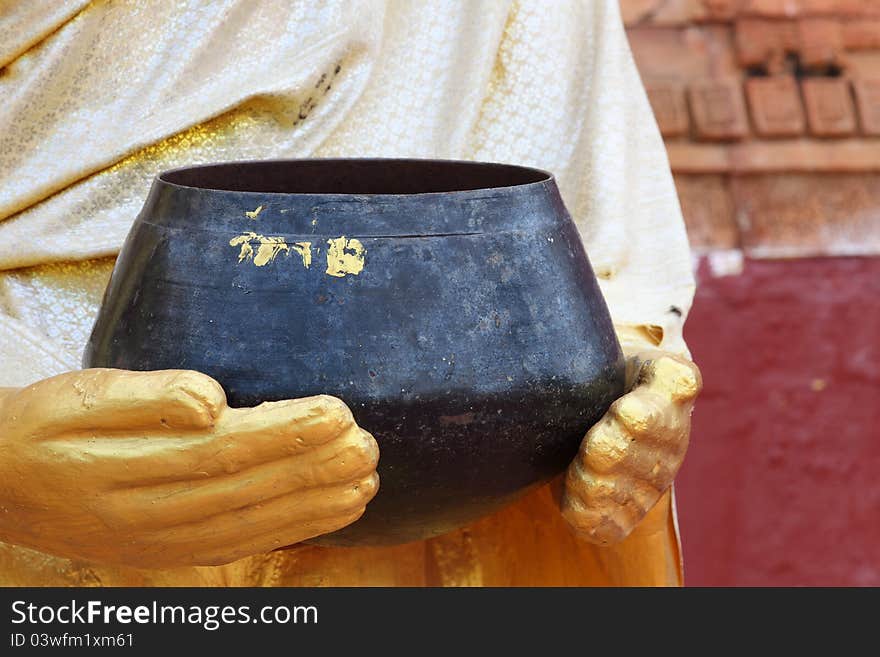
pixel 350 458
pixel 631 456
pixel 117 400
pixel 269 524
pixel 677 378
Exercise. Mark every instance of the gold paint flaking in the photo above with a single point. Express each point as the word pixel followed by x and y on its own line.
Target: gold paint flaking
pixel 253 214
pixel 305 251
pixel 268 249
pixel 244 241
pixel 345 256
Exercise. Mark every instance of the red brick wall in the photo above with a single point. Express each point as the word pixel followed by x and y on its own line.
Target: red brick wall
pixel 771 114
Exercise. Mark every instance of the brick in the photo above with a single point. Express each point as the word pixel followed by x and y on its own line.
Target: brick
pixel 636 11
pixel 708 211
pixel 792 215
pixel 762 42
pixel 839 7
pixel 678 12
pixel 820 42
pixel 665 13
pixel 868 101
pixel 862 64
pixel 675 55
pixel 670 108
pixel 718 109
pixel 861 34
pixel 770 8
pixel 800 8
pixel 775 104
pixel 722 10
pixel 830 111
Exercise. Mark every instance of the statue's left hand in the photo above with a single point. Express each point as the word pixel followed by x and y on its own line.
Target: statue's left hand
pixel 630 457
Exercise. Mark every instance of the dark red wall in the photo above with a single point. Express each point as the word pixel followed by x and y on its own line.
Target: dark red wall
pixel 782 481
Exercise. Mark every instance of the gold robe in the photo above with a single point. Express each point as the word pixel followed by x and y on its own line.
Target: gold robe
pixel 100 96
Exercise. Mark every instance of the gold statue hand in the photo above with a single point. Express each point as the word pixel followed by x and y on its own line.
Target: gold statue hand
pixel 153 469
pixel 630 457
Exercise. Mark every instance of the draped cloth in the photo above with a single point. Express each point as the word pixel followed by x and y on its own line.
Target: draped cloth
pixel 98 97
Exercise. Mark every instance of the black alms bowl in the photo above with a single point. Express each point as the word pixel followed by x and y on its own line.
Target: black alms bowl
pixel 450 304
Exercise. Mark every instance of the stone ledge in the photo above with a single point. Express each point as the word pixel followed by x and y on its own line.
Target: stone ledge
pixel 800 155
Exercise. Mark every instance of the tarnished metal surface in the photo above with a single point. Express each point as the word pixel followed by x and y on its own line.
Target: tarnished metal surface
pixel 463 326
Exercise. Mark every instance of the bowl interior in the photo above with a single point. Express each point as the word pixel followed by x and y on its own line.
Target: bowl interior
pixel 354 176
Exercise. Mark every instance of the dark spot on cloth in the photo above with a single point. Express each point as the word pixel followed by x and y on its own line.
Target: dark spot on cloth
pixel 306 108
pixel 675 310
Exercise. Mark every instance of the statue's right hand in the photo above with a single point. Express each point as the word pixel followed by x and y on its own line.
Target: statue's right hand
pixel 153 469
